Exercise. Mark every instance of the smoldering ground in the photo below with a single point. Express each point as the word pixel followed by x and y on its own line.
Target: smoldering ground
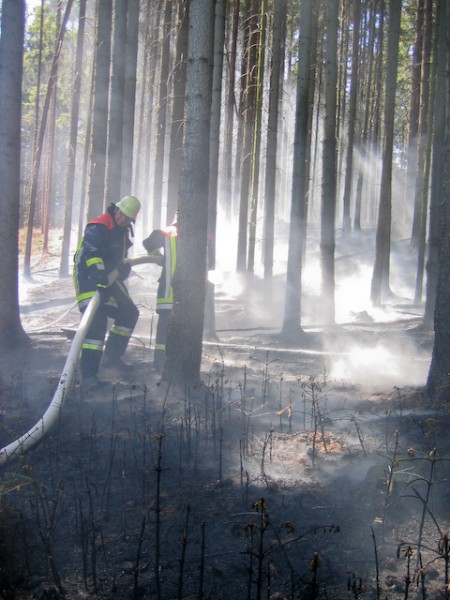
pixel 297 469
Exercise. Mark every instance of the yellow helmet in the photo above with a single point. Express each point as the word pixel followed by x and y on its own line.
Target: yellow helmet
pixel 129 206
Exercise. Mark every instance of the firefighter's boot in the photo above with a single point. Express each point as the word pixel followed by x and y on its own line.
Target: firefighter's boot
pixel 114 350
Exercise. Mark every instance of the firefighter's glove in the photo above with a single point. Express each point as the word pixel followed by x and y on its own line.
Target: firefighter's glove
pixel 98 277
pixel 102 284
pixel 146 244
pixel 124 269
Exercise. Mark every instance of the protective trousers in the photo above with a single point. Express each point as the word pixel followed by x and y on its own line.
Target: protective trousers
pixel 159 357
pixel 125 314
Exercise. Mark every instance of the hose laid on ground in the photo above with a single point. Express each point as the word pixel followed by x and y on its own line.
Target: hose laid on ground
pixel 49 418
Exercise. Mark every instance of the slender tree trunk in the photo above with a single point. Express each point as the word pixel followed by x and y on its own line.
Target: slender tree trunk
pixel 177 117
pixel 414 114
pixel 96 191
pixel 73 138
pixel 380 277
pixel 12 334
pixel 185 331
pixel 143 178
pixel 216 101
pixel 437 163
pixel 352 115
pixel 129 102
pixel 230 110
pixel 256 153
pixel 86 156
pixel 329 175
pixel 162 117
pixel 292 308
pixel 249 106
pixel 438 378
pixel 49 183
pixel 368 86
pixel 52 81
pixel 424 149
pixel 276 78
pixel 114 147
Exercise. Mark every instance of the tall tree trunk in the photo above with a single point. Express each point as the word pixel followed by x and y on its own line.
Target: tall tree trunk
pixel 129 101
pixel 86 155
pixel 368 70
pixel 185 331
pixel 143 180
pixel 12 334
pixel 114 146
pixel 73 138
pixel 424 149
pixel 438 378
pixel 352 112
pixel 52 81
pixel 437 163
pixel 329 175
pixel 380 276
pixel 96 191
pixel 48 171
pixel 414 114
pixel 177 117
pixel 292 308
pixel 216 102
pixel 243 83
pixel 251 51
pixel 256 144
pixel 276 78
pixel 230 109
pixel 375 129
pixel 162 117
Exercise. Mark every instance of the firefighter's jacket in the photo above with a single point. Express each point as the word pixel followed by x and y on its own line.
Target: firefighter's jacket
pixel 165 240
pixel 102 249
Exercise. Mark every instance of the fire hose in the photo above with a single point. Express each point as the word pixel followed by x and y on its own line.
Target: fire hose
pixel 49 418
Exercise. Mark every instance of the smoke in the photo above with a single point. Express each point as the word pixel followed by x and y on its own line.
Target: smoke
pixel 382 366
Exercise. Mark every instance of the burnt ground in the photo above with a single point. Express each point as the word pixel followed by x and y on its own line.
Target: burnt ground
pixel 276 478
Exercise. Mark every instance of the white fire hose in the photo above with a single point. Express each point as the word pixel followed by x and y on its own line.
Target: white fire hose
pixel 49 418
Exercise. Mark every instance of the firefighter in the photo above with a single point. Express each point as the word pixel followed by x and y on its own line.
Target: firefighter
pixel 102 249
pixel 164 240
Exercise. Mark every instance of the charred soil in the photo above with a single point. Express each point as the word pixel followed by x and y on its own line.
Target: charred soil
pixel 273 479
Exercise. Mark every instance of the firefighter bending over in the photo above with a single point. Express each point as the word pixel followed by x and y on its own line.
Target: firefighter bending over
pixel 165 240
pixel 102 249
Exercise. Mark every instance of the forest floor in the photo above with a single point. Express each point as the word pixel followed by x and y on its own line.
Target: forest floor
pixel 314 468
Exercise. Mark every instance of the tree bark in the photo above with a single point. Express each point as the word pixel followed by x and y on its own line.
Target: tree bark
pixel 438 375
pixel 437 164
pixel 380 276
pixel 248 124
pixel 177 110
pixel 73 138
pixel 256 143
pixel 352 114
pixel 292 307
pixel 424 151
pixel 96 191
pixel 162 117
pixel 40 140
pixel 185 330
pixel 12 334
pixel 414 114
pixel 114 146
pixel 129 101
pixel 329 174
pixel 276 78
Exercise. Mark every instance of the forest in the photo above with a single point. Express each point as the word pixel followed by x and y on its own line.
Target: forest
pixel 303 147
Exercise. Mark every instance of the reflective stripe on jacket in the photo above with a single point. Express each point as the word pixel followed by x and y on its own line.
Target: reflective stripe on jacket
pixel 164 299
pixel 103 245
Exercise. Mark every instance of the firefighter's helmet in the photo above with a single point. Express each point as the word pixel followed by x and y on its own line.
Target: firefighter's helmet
pixel 129 206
